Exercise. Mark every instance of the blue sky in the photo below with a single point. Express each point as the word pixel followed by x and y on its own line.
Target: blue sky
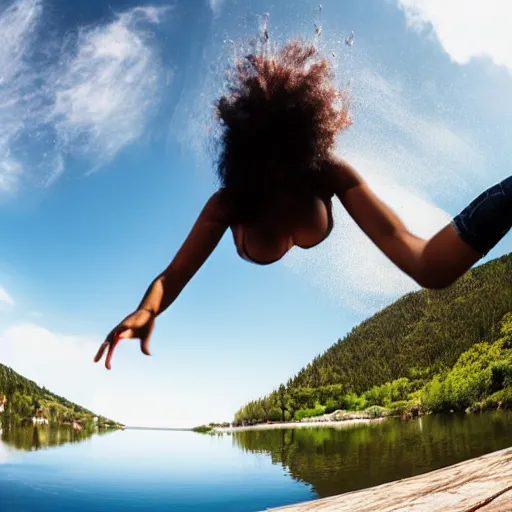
pixel 105 163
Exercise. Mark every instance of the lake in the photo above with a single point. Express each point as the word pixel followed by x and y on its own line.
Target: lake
pixel 49 470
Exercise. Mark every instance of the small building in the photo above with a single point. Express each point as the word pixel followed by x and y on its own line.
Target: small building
pixel 39 421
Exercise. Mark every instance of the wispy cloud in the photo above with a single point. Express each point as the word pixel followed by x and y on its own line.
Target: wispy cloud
pixel 413 162
pixel 91 99
pixel 347 265
pixel 465 29
pixel 108 86
pixel 18 24
pixel 399 126
pixel 5 297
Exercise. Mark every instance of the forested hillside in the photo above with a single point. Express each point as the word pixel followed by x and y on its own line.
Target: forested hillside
pixel 25 399
pixel 415 341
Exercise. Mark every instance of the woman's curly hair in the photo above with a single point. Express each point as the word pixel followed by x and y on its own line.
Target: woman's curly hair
pixel 279 122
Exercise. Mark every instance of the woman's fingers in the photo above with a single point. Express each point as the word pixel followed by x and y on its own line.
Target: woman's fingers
pixel 146 338
pixel 111 342
pixel 118 336
pixel 108 340
pixel 110 352
pixel 144 345
pixel 102 348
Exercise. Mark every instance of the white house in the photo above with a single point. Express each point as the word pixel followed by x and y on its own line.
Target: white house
pixel 39 421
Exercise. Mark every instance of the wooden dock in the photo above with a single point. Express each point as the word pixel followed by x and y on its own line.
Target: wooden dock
pixel 483 484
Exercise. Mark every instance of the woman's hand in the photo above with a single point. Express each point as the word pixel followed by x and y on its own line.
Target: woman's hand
pixel 137 325
pixel 206 233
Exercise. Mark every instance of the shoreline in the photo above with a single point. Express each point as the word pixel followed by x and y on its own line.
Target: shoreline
pixel 302 424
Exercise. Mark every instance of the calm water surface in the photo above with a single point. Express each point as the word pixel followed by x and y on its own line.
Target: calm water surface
pixel 247 471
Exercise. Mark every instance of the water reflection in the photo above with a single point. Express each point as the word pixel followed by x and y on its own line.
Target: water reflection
pixel 335 461
pixel 40 437
pixel 150 470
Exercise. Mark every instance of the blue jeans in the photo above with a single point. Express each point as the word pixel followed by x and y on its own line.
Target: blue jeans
pixel 487 219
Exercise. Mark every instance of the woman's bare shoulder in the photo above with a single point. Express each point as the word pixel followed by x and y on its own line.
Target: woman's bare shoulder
pixel 218 207
pixel 339 176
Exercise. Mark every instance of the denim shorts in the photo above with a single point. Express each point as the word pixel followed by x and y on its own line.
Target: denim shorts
pixel 487 219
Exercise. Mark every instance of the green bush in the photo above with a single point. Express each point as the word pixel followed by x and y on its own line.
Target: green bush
pixel 310 413
pixel 399 408
pixel 469 381
pixel 376 411
pixel 353 402
pixel 502 398
pixel 331 405
pixel 501 374
pixel 202 429
pixel 378 395
pixel 275 415
pixel 432 395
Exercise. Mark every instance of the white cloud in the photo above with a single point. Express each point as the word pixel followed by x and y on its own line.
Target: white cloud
pixel 90 99
pixel 18 24
pixel 389 106
pixel 5 297
pixel 108 86
pixel 63 364
pixel 465 29
pixel 413 162
pixel 348 265
pixel 139 390
pixel 131 392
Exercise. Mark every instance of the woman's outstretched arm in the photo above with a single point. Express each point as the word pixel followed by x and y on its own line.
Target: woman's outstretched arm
pixel 441 260
pixel 206 233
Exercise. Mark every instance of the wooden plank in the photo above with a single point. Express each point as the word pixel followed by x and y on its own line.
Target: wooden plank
pixel 482 484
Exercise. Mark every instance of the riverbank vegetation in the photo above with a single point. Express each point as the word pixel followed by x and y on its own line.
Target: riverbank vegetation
pixel 430 351
pixel 23 401
pixel 206 429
